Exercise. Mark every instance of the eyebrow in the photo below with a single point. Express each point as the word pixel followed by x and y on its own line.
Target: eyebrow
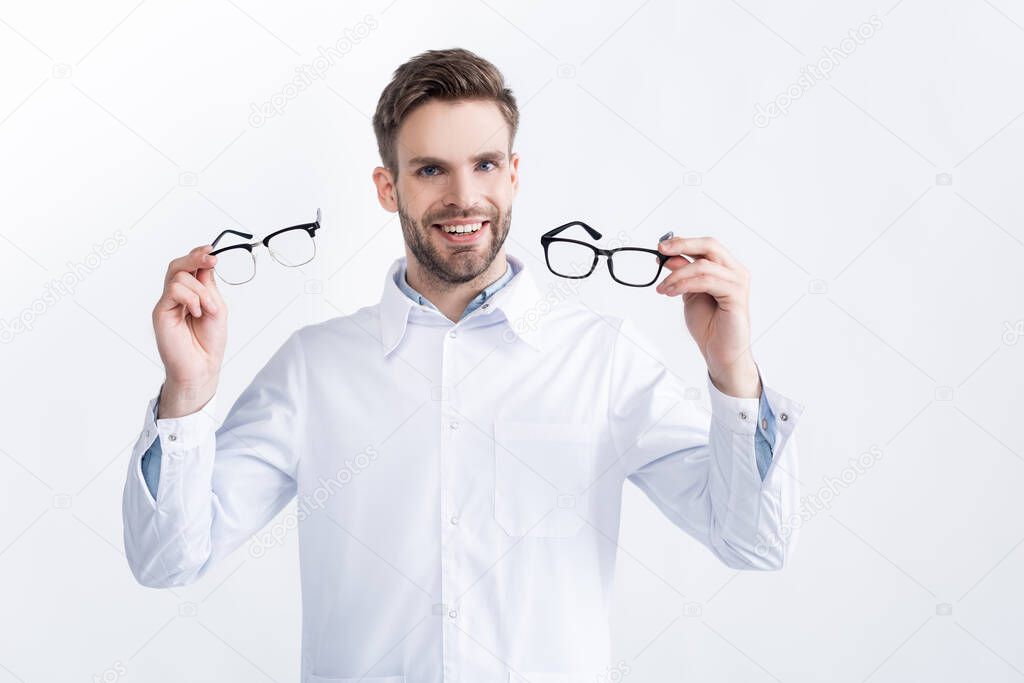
pixel 434 161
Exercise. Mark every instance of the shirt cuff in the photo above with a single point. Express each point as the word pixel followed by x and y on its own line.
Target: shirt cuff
pixel 736 414
pixel 179 434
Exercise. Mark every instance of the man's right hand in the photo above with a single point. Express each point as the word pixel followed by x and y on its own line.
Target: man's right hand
pixel 191 324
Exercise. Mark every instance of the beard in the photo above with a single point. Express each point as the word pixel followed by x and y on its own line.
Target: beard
pixel 454 265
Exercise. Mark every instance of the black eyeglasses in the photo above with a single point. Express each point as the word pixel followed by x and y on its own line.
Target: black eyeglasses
pixel 631 266
pixel 293 246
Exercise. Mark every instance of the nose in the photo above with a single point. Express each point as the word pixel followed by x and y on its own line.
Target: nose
pixel 461 190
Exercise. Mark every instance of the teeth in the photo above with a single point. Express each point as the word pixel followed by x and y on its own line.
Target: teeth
pixel 472 227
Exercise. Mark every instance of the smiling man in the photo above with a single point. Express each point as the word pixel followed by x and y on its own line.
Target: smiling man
pixel 459 449
pixel 449 172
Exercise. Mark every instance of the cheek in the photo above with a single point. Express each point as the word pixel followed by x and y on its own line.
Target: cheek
pixel 500 197
pixel 417 202
pixel 504 188
pixel 427 199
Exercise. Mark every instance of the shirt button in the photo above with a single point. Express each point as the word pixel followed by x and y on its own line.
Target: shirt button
pixel 452 613
pixel 172 437
pixel 453 424
pixel 783 417
pixel 743 416
pixel 764 423
pixel 452 334
pixel 486 306
pixel 454 519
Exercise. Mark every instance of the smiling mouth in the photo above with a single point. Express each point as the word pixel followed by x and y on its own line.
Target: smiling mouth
pixel 466 232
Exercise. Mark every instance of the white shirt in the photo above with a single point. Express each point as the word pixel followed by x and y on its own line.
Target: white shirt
pixel 459 484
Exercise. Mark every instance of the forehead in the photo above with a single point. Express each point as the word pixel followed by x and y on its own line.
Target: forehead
pixel 452 131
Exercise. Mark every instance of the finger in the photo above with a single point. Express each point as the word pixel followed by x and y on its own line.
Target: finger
pixel 706 247
pixel 191 262
pixel 205 276
pixel 177 294
pixel 708 284
pixel 677 262
pixel 206 298
pixel 698 267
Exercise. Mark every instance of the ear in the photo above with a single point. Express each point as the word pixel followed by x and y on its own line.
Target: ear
pixel 385 183
pixel 513 163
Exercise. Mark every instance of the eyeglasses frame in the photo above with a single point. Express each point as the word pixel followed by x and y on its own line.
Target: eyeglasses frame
pixel 549 237
pixel 311 228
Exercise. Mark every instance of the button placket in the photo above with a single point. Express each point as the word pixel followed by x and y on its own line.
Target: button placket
pixel 450 545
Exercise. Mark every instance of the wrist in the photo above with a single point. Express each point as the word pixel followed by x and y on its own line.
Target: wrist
pixel 178 399
pixel 740 380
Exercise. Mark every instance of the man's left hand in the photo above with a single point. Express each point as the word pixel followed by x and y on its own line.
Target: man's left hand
pixel 716 290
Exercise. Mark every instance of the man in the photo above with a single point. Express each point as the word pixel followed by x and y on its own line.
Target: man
pixel 458 449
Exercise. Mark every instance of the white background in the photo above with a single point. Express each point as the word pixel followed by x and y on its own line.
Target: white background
pixel 886 298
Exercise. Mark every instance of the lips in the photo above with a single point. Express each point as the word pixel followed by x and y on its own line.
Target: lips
pixel 463 238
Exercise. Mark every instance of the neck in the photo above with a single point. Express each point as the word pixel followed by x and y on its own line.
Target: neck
pixel 452 299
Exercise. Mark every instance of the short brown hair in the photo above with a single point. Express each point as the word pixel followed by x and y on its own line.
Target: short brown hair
pixel 447 75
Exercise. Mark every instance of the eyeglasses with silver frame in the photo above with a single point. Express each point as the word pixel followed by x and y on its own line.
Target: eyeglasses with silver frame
pixel 293 246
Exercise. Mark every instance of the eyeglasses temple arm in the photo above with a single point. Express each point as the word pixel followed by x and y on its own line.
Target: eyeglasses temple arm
pixel 593 233
pixel 230 232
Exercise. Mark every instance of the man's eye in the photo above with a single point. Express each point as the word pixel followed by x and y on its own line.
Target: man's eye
pixel 489 162
pixel 425 169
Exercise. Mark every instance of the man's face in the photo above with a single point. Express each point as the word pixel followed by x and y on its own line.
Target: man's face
pixel 454 166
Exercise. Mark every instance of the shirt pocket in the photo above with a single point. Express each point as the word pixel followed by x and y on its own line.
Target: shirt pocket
pixel 542 471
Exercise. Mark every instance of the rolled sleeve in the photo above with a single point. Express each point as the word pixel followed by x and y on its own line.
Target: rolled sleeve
pixel 182 433
pixel 748 416
pixel 702 472
pixel 218 483
pixel 735 414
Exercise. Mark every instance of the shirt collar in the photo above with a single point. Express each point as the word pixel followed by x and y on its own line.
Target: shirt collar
pixel 487 293
pixel 518 301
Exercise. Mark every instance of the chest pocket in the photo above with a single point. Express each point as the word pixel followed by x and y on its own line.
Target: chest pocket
pixel 541 473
